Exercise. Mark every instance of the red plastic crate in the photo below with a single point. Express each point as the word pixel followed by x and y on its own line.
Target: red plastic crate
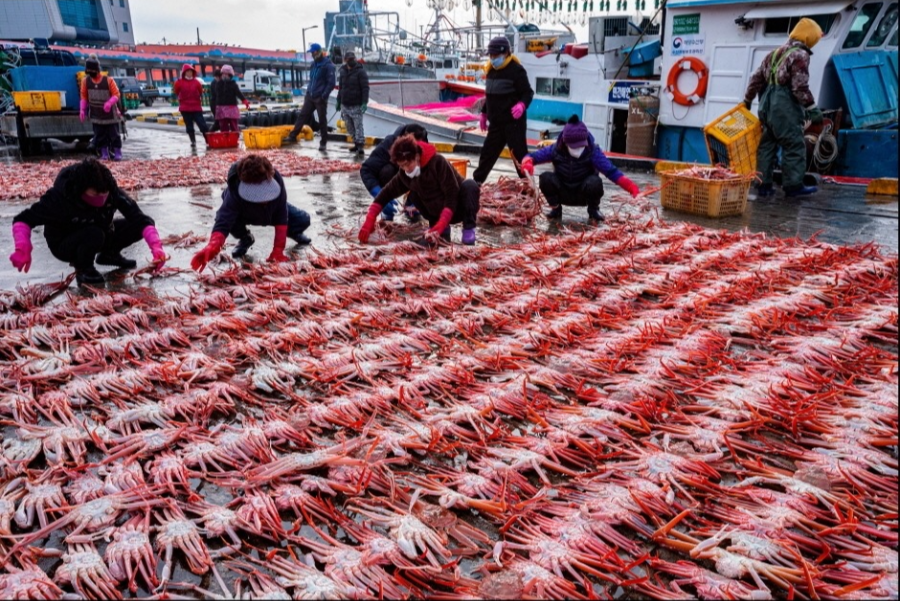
pixel 223 139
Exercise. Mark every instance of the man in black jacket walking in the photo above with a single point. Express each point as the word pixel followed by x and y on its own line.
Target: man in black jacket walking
pixel 507 96
pixel 321 83
pixel 353 100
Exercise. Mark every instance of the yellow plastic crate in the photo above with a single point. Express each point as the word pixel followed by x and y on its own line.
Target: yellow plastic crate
pixel 699 196
pixel 32 102
pixel 461 166
pixel 262 138
pixel 733 139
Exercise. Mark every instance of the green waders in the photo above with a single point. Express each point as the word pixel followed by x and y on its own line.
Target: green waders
pixel 782 122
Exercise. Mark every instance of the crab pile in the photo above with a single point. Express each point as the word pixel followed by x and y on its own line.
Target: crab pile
pixel 509 201
pixel 650 408
pixel 30 180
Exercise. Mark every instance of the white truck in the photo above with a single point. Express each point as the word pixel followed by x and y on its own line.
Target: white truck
pixel 260 84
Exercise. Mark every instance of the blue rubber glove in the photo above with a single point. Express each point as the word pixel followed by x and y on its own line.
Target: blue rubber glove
pixel 375 191
pixel 389 210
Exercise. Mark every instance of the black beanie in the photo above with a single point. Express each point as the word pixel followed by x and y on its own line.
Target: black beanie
pixel 92 63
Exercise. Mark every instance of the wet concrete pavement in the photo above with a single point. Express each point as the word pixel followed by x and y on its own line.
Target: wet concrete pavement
pixel 838 214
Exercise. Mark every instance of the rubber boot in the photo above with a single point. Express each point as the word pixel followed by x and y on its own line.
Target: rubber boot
pixel 555 212
pixel 300 238
pixel 468 237
pixel 765 190
pixel 117 154
pixel 445 235
pixel 594 213
pixel 104 154
pixel 116 260
pixel 243 246
pixel 800 191
pixel 89 277
pixel 193 138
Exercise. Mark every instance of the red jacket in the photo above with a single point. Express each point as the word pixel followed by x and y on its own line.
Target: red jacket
pixel 189 92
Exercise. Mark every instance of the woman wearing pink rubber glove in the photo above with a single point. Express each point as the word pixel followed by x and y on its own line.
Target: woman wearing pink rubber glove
pixel 507 96
pixel 99 97
pixel 78 218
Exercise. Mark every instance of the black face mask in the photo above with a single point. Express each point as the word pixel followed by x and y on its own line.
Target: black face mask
pixel 351 62
pixel 92 73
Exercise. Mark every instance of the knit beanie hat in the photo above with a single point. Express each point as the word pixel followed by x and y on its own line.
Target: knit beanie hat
pixel 498 45
pixel 92 63
pixel 807 32
pixel 575 134
pixel 227 70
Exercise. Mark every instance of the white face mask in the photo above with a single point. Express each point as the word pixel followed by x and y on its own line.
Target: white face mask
pixel 188 76
pixel 576 152
pixel 414 173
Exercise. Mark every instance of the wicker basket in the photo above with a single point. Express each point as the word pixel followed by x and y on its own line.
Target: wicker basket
pixel 707 197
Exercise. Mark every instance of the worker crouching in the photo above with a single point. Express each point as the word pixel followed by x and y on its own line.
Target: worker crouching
pixel 441 194
pixel 577 163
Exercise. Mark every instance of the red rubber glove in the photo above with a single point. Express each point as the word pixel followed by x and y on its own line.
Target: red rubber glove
pixel 482 122
pixel 528 165
pixel 109 104
pixel 441 225
pixel 518 110
pixel 207 254
pixel 84 110
pixel 277 254
pixel 629 186
pixel 369 226
pixel 247 104
pixel 21 258
pixel 151 237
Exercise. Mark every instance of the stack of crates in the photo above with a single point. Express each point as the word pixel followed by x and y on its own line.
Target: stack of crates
pixel 733 139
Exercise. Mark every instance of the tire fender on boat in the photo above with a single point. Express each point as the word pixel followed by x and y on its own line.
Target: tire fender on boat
pixel 689 63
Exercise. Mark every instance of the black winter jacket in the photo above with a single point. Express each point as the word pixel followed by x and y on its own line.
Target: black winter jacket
pixel 505 88
pixel 379 158
pixel 235 209
pixel 354 86
pixel 227 93
pixel 62 212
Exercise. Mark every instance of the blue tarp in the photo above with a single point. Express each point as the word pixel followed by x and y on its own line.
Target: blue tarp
pixel 31 78
pixel 869 80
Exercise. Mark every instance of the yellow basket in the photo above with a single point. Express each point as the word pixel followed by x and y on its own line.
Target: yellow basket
pixel 262 138
pixel 461 166
pixel 698 196
pixel 733 139
pixel 31 102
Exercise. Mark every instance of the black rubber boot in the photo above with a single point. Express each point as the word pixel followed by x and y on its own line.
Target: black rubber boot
pixel 300 239
pixel 116 260
pixel 243 246
pixel 594 214
pixel 193 138
pixel 89 277
pixel 555 212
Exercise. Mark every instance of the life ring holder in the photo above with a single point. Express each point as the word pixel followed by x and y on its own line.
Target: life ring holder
pixel 689 63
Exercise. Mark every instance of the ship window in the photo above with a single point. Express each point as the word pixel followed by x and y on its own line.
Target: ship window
pixel 784 25
pixel 893 41
pixel 884 27
pixel 80 13
pixel 555 86
pixel 862 24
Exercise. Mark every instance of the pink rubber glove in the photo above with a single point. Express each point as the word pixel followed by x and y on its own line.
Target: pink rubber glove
pixel 369 226
pixel 441 225
pixel 151 237
pixel 482 122
pixel 518 110
pixel 109 104
pixel 209 252
pixel 277 254
pixel 21 258
pixel 629 186
pixel 84 110
pixel 528 165
pixel 247 104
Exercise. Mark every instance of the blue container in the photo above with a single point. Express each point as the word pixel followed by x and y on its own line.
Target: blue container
pixel 645 53
pixel 63 79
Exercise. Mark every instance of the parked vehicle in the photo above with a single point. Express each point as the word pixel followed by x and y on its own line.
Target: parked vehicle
pixel 133 90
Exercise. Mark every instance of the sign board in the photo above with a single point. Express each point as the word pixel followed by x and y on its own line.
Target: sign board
pixel 686 24
pixel 620 91
pixel 689 45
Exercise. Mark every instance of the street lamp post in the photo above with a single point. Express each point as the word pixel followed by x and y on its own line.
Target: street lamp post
pixel 303 33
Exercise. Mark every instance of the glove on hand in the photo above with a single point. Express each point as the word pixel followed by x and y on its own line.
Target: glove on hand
pixel 247 104
pixel 109 104
pixel 277 254
pixel 207 254
pixel 84 110
pixel 364 108
pixel 528 165
pixel 483 122
pixel 21 258
pixel 369 226
pixel 748 104
pixel 629 186
pixel 518 110
pixel 151 237
pixel 441 225
pixel 815 115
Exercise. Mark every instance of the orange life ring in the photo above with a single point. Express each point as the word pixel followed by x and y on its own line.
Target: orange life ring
pixel 688 63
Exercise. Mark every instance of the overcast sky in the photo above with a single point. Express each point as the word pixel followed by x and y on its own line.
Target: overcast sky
pixel 264 24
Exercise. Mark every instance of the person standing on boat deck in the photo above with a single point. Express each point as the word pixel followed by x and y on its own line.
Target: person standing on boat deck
pixel 189 91
pixel 77 215
pixel 353 100
pixel 227 95
pixel 441 194
pixel 378 170
pixel 507 97
pixel 255 195
pixel 99 102
pixel 577 161
pixel 321 84
pixel 786 102
pixel 213 88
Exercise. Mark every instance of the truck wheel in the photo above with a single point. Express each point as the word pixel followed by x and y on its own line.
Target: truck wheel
pixel 148 102
pixel 29 147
